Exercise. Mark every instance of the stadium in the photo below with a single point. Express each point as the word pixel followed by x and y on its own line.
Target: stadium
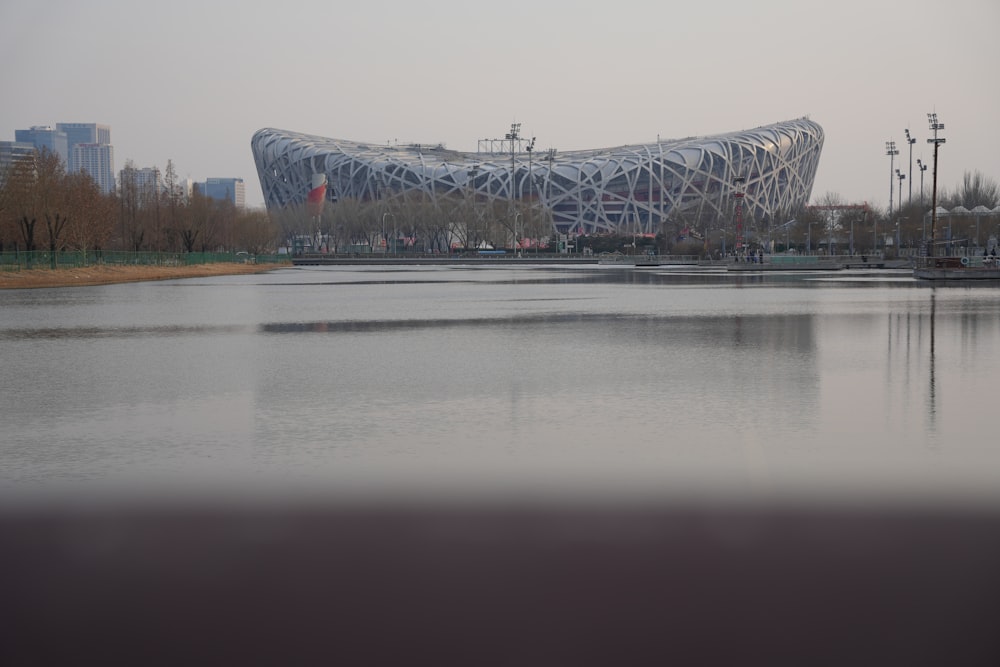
pixel 632 189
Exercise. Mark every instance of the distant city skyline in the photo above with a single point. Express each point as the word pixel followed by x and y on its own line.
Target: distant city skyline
pixel 87 147
pixel 590 75
pixel 81 147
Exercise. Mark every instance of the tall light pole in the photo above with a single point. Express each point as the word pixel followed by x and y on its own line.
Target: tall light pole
pixel 910 140
pixel 902 177
pixel 922 168
pixel 531 204
pixel 892 152
pixel 739 182
pixel 384 237
pixel 550 155
pixel 513 135
pixel 932 121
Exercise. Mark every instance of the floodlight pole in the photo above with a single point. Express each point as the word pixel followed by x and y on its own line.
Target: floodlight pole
pixel 932 120
pixel 531 204
pixel 892 152
pixel 902 177
pixel 550 155
pixel 513 135
pixel 739 194
pixel 921 167
pixel 909 199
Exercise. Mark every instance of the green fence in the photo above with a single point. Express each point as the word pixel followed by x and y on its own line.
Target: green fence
pixel 42 259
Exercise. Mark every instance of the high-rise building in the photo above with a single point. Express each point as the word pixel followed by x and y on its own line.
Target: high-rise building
pixel 12 152
pixel 184 187
pixel 98 161
pixel 43 136
pixel 86 133
pixel 231 189
pixel 147 181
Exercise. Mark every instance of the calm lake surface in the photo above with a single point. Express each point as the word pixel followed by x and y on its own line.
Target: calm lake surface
pixel 528 380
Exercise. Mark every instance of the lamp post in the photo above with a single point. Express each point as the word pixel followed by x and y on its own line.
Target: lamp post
pixel 892 152
pixel 902 177
pixel 531 203
pixel 513 135
pixel 739 194
pixel 910 140
pixel 851 249
pixel 922 168
pixel 932 121
pixel 384 237
pixel 550 156
pixel 517 250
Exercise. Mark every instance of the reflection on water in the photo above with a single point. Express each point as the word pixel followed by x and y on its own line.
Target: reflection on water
pixel 511 380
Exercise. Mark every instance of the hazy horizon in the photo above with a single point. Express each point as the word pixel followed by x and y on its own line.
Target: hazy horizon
pixel 192 83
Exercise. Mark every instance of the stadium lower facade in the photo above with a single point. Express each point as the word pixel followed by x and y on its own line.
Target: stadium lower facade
pixel 628 189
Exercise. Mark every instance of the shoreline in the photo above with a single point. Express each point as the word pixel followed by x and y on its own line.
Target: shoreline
pixel 107 274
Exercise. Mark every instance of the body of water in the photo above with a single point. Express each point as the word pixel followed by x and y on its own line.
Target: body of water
pixel 517 466
pixel 580 379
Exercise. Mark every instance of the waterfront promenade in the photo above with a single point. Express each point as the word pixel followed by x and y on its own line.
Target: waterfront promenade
pixel 771 262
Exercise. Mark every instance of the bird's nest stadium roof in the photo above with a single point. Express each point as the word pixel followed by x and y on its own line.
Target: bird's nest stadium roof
pixel 634 187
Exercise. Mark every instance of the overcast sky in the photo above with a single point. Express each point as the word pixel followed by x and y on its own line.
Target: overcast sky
pixel 192 81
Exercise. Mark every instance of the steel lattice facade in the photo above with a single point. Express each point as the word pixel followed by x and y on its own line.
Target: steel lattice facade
pixel 631 189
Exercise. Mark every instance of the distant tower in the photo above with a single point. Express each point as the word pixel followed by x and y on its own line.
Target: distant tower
pixel 98 160
pixel 232 189
pixel 43 136
pixel 14 152
pixel 147 181
pixel 90 150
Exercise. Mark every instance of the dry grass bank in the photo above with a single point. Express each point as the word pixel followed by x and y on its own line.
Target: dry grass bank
pixel 106 275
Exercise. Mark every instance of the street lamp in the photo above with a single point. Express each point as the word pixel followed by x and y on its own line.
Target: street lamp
pixel 517 250
pixel 902 177
pixel 892 152
pixel 550 156
pixel 531 204
pixel 922 168
pixel 739 181
pixel 384 237
pixel 514 135
pixel 932 121
pixel 910 140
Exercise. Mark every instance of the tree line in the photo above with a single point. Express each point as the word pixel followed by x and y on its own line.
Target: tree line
pixel 45 207
pixel 833 223
pixel 416 221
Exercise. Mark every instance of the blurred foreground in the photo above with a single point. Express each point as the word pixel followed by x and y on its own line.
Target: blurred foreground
pixel 500 584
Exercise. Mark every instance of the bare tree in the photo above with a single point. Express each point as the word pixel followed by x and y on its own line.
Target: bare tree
pixel 18 202
pixel 92 210
pixel 975 190
pixel 129 201
pixel 255 231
